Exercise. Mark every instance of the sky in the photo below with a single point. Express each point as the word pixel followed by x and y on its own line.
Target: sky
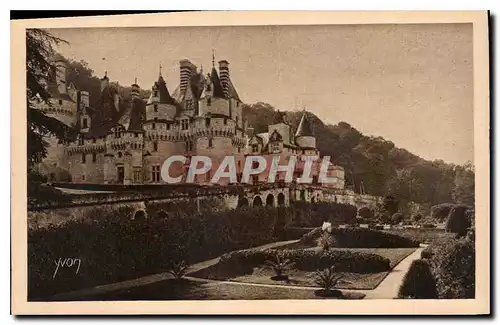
pixel 411 84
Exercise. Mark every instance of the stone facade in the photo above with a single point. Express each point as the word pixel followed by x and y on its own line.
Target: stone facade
pixel 202 116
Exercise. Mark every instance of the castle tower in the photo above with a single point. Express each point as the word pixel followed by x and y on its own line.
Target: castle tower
pixel 60 64
pixel 104 81
pixel 304 136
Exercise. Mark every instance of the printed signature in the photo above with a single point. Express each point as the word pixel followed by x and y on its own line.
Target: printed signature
pixel 68 263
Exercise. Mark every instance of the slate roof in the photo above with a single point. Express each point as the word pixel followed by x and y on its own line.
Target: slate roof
pixel 304 128
pixel 218 91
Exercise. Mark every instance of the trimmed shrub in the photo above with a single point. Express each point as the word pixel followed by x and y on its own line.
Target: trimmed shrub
pixel 396 218
pixel 426 253
pixel 364 238
pixel 309 260
pixel 366 213
pixel 417 217
pixel 441 211
pixel 453 266
pixel 418 283
pixel 458 220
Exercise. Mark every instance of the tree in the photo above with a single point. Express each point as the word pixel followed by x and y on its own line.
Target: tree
pixel 463 191
pixel 458 220
pixel 39 52
pixel 396 218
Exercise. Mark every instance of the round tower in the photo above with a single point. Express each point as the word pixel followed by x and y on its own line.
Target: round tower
pixel 304 137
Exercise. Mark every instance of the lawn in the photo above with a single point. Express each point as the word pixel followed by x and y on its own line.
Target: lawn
pixel 423 235
pixel 208 290
pixel 262 275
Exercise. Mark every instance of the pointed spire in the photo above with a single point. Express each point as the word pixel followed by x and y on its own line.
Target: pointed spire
pixel 135 81
pixel 105 75
pixel 213 58
pixel 304 128
pixel 201 70
pixel 160 70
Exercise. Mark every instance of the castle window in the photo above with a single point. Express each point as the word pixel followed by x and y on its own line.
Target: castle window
pixel 118 133
pixel 225 121
pixel 209 101
pixel 239 149
pixel 93 140
pixel 237 119
pixel 155 93
pixel 85 123
pixel 94 157
pixel 60 101
pixel 155 173
pixel 155 107
pixel 275 147
pixel 184 124
pixel 189 103
pixel 83 158
pixel 255 148
pixel 136 135
pixel 189 146
pixel 155 146
pixel 237 104
pixel 255 179
pixel 80 140
pixel 137 175
pixel 210 143
pixel 168 126
pixel 120 154
pixel 153 126
pixel 207 122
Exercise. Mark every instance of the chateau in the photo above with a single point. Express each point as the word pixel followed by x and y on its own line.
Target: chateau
pixel 201 116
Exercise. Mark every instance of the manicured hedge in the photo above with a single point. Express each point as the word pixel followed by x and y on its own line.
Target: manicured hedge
pixel 302 214
pixel 441 211
pixel 453 266
pixel 113 248
pixel 364 238
pixel 310 260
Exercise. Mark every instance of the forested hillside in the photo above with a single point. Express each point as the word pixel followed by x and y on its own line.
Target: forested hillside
pixel 373 165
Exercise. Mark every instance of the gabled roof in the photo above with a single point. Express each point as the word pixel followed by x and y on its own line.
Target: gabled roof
pixel 133 116
pixel 304 128
pixel 218 91
pixel 275 136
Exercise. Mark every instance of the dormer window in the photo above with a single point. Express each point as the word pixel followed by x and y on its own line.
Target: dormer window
pixel 80 140
pixel 155 146
pixel 118 133
pixel 255 148
pixel 189 103
pixel 155 93
pixel 85 123
pixel 209 101
pixel 155 107
pixel 60 101
pixel 207 122
pixel 225 121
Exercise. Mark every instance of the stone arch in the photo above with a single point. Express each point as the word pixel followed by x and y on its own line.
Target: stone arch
pixel 281 199
pixel 242 202
pixel 140 215
pixel 257 201
pixel 270 200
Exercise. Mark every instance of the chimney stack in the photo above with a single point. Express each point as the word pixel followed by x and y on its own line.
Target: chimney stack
pixel 224 76
pixel 186 70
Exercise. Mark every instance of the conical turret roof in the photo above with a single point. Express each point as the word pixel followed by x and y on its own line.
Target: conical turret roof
pixel 218 91
pixel 164 95
pixel 304 128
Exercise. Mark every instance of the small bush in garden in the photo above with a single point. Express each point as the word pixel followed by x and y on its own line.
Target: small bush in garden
pixel 396 218
pixel 280 266
pixel 178 269
pixel 471 235
pixel 441 211
pixel 458 221
pixel 418 283
pixel 327 279
pixel 365 213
